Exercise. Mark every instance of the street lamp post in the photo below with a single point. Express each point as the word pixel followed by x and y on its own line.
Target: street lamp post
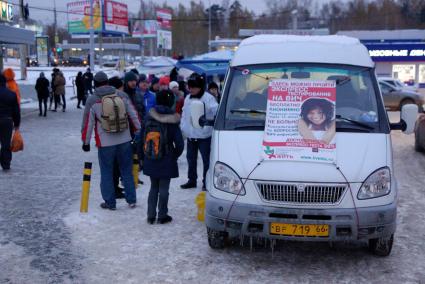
pixel 91 37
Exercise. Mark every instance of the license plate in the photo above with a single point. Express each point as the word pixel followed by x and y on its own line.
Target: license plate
pixel 299 230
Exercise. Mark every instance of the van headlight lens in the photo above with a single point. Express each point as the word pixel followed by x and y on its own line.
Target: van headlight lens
pixel 376 185
pixel 227 180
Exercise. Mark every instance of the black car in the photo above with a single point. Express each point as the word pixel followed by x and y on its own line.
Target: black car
pixel 74 61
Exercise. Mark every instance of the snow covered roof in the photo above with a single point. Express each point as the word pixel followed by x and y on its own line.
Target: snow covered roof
pixel 220 54
pixel 302 49
pixel 161 61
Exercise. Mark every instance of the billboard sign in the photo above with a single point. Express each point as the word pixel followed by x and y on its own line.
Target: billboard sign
pixel 163 17
pixel 42 44
pixel 6 13
pixel 116 17
pixel 396 52
pixel 164 39
pixel 79 17
pixel 148 29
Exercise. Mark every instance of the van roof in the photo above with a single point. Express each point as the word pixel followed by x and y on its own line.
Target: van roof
pixel 302 49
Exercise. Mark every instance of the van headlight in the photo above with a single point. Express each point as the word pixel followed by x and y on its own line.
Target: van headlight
pixel 376 185
pixel 227 180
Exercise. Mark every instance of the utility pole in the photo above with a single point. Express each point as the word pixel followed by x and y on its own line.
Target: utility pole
pixel 209 26
pixel 91 37
pixel 294 15
pixel 56 37
pixel 23 47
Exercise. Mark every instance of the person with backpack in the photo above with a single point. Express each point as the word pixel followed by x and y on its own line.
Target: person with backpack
pixel 110 114
pixel 42 88
pixel 52 87
pixel 197 139
pixel 79 83
pixel 163 145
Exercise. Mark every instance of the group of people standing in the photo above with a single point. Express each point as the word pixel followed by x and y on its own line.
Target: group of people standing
pixel 158 114
pixel 55 90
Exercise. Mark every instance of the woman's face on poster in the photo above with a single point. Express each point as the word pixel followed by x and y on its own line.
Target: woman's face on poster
pixel 316 116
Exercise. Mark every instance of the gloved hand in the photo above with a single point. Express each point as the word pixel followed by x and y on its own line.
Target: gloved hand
pixel 86 148
pixel 138 137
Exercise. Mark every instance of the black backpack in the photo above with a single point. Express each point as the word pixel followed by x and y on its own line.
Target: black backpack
pixel 155 140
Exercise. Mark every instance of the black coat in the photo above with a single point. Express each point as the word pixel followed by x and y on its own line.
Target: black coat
pixel 166 167
pixel 79 82
pixel 88 80
pixel 42 88
pixel 9 107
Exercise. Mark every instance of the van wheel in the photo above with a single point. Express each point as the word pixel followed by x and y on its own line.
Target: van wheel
pixel 381 246
pixel 406 102
pixel 418 146
pixel 216 239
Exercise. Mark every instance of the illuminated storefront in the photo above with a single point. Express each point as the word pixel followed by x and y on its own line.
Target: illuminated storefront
pixel 399 53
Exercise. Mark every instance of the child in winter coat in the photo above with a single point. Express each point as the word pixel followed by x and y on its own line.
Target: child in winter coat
pixel 160 159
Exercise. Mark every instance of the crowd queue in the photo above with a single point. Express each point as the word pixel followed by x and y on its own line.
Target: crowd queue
pixel 149 116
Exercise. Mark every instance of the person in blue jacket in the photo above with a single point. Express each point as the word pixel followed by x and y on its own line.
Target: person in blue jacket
pixel 143 93
pixel 162 169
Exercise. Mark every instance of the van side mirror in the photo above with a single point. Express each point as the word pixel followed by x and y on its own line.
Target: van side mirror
pixel 197 111
pixel 408 117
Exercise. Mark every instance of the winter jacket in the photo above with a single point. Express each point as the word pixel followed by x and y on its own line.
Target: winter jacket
pixel 93 112
pixel 11 83
pixel 79 83
pixel 166 167
pixel 149 101
pixel 59 84
pixel 88 80
pixel 42 88
pixel 210 110
pixel 9 107
pixel 136 100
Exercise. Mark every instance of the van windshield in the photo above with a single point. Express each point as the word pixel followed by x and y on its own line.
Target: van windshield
pixel 356 100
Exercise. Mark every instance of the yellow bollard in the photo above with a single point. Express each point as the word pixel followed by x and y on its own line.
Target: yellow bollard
pixel 136 170
pixel 200 202
pixel 84 207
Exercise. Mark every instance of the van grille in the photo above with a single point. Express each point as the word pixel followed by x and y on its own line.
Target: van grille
pixel 301 193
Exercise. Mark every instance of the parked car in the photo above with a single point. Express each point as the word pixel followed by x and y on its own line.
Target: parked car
pixel 396 83
pixel 420 133
pixel 74 61
pixel 395 97
pixel 263 191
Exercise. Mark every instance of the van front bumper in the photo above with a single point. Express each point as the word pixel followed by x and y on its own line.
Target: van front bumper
pixel 255 220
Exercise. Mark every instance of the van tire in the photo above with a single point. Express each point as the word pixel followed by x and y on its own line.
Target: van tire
pixel 418 147
pixel 381 246
pixel 216 239
pixel 406 102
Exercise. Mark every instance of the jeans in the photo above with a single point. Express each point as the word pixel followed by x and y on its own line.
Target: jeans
pixel 204 146
pixel 123 155
pixel 158 196
pixel 6 129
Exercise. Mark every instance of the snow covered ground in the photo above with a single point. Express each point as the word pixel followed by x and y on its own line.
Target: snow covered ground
pixel 44 238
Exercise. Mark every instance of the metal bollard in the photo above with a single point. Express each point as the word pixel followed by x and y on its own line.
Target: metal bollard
pixel 136 170
pixel 84 207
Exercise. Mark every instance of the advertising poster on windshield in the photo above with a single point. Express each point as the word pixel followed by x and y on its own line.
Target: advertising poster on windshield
pixel 300 121
pixel 116 17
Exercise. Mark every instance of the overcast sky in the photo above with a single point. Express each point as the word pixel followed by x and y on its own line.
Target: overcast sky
pixel 258 6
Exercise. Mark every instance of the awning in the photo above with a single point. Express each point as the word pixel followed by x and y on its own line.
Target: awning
pixel 14 35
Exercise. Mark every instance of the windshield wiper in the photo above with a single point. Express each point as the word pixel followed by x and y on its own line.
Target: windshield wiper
pixel 245 110
pixel 355 122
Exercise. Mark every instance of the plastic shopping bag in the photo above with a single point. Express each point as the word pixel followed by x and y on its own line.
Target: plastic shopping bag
pixel 17 142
